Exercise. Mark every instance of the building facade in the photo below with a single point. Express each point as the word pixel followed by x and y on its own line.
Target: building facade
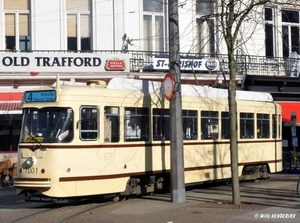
pixel 78 38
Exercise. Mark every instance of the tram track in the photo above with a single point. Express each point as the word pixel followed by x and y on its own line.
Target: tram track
pixel 278 189
pixel 63 213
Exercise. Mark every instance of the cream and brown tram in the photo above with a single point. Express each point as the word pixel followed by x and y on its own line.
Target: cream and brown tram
pixel 96 139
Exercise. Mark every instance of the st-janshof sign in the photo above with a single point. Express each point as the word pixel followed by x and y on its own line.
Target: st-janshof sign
pixel 64 62
pixel 188 64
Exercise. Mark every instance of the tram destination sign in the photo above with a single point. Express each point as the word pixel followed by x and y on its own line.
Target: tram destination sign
pixel 40 96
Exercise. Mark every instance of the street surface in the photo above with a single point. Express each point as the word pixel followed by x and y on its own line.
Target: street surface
pixel 271 200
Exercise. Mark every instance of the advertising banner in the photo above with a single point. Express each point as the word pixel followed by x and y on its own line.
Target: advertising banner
pixel 63 62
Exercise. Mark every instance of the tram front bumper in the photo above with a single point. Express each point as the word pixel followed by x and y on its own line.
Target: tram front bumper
pixel 32 183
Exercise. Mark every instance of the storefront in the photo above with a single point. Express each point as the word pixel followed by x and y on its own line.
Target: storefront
pixel 10 123
pixel 290 134
pixel 22 71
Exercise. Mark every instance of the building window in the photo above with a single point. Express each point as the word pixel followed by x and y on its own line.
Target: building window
pixel 290 32
pixel 17 25
pixel 204 7
pixel 155 25
pixel 78 25
pixel 205 28
pixel 269 32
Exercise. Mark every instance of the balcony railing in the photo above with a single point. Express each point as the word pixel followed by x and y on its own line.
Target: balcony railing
pixel 246 64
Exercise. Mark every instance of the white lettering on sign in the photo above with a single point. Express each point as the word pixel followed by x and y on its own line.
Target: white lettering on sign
pixel 189 64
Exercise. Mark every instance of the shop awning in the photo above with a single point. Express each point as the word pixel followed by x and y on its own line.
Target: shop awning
pixel 10 102
pixel 9 107
pixel 7 96
pixel 287 108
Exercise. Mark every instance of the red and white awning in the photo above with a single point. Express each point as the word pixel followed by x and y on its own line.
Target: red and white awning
pixel 10 102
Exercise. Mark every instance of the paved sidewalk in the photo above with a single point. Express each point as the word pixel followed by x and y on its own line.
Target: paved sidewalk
pixel 272 200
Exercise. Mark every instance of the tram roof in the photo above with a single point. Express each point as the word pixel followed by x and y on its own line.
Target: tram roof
pixel 186 89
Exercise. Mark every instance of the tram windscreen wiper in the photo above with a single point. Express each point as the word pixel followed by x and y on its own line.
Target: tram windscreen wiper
pixel 36 141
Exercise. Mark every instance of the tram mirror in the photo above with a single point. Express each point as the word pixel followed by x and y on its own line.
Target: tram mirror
pixel 77 124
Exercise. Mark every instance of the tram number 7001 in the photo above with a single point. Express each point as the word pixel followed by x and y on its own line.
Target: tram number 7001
pixel 31 170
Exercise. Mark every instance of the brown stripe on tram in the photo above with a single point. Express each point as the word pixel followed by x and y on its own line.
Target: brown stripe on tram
pixel 103 177
pixel 118 145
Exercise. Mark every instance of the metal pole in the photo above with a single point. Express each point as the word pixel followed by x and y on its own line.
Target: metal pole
pixel 177 160
pixel 294 137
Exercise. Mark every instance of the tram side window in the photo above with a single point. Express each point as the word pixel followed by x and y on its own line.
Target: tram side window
pixel 246 125
pixel 189 123
pixel 209 125
pixel 89 128
pixel 111 124
pixel 279 125
pixel 276 120
pixel 225 125
pixel 263 125
pixel 161 124
pixel 136 124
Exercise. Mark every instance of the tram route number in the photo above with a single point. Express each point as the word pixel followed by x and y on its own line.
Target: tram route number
pixel 31 170
pixel 40 96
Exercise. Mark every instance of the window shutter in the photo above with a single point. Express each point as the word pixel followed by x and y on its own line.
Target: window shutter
pixel 16 5
pixel 9 25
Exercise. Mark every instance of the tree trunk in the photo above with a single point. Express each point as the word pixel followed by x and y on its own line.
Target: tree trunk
pixel 233 129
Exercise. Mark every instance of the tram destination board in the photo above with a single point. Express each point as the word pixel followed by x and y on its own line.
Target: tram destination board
pixel 40 96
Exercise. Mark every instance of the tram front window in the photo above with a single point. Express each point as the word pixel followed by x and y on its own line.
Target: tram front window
pixel 47 125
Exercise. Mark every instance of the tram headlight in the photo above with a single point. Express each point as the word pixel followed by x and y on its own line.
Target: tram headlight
pixel 29 162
